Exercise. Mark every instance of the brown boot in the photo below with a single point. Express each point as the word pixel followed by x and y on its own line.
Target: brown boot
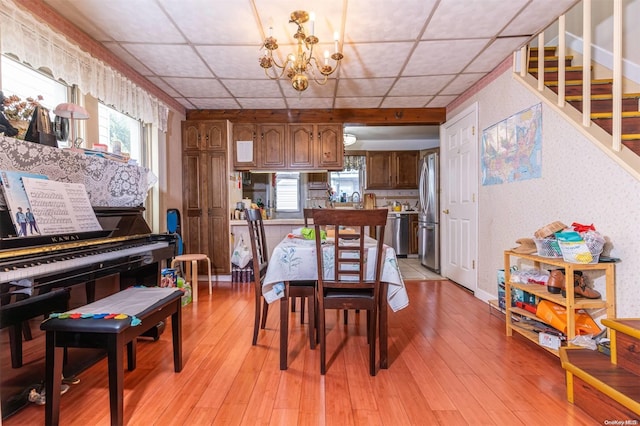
pixel 555 283
pixel 580 289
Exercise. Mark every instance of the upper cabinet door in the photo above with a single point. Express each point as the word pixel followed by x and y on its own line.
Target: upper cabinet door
pixel 243 134
pixel 272 151
pixel 190 135
pixel 301 143
pixel 214 135
pixel 379 170
pixel 406 169
pixel 330 147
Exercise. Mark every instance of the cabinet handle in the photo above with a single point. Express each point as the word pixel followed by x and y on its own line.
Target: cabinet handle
pixel 318 135
pixel 311 135
pixel 254 136
pixel 262 136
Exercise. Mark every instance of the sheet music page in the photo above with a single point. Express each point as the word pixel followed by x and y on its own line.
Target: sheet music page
pixel 17 201
pixel 60 207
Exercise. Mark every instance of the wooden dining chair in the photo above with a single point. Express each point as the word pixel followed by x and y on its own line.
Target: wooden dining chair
pixel 350 288
pixel 300 289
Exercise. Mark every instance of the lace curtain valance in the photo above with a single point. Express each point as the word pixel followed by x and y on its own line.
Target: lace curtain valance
pixel 37 44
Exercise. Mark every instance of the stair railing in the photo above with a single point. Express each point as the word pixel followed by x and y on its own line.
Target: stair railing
pixel 522 65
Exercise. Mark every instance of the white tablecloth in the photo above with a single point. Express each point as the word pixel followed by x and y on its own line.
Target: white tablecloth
pixel 294 259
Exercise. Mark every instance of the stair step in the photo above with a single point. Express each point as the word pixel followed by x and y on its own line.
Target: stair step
pixel 606 115
pixel 604 102
pixel 548 51
pixel 631 137
pixel 551 61
pixel 596 370
pixel 574 87
pixel 630 326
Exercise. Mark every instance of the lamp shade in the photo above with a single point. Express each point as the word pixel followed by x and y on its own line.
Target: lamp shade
pixel 73 111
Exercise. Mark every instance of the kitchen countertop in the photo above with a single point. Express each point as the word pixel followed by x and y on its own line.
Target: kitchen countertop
pixel 268 222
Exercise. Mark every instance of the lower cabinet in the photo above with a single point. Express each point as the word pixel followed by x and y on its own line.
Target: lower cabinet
pixel 413 234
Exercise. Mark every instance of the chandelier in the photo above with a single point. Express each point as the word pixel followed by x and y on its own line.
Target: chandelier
pixel 301 64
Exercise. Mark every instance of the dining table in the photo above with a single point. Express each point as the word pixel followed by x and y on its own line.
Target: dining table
pixel 294 259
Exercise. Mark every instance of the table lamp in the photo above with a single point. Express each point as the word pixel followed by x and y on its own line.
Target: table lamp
pixel 72 112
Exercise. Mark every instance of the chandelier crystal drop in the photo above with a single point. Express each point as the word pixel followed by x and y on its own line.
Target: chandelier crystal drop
pixel 301 66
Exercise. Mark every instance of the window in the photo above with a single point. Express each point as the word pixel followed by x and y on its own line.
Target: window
pixel 287 192
pixel 21 80
pixel 120 132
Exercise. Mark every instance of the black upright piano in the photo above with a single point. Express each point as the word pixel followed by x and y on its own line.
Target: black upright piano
pixel 38 273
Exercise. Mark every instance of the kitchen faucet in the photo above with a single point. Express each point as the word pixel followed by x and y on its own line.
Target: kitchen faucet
pixel 355 197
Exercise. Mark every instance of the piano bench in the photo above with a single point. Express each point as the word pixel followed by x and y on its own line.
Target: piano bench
pixel 15 314
pixel 150 305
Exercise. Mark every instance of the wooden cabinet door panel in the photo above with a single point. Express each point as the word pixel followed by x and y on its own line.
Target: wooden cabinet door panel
pixel 217 217
pixel 272 146
pixel 245 132
pixel 192 203
pixel 330 146
pixel 406 169
pixel 301 146
pixel 379 169
pixel 190 135
pixel 215 135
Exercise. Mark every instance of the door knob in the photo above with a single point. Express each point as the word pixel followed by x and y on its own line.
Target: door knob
pixel 446 211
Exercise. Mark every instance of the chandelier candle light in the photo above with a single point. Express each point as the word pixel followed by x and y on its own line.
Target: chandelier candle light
pixel 302 63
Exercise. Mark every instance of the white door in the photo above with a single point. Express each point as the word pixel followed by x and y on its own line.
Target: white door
pixel 459 213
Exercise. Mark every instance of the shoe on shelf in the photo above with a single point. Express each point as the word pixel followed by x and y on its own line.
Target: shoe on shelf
pixel 580 289
pixel 555 283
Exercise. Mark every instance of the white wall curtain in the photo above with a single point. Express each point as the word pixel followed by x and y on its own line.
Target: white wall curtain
pixel 40 46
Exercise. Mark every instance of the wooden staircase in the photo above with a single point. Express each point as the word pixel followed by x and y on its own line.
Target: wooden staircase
pixel 601 96
pixel 607 387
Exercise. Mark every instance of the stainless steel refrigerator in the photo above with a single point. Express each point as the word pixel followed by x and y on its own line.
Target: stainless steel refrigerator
pixel 428 213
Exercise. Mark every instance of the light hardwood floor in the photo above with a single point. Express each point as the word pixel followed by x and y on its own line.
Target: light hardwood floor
pixel 450 364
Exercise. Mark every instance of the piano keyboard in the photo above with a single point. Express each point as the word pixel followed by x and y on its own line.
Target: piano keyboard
pixel 32 271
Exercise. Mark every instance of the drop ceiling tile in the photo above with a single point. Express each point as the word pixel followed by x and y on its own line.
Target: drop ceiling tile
pixel 497 52
pixel 461 83
pixel 214 103
pixel 162 85
pixel 405 101
pixel 420 86
pixel 197 87
pixel 440 101
pixel 169 60
pixel 372 60
pixel 140 21
pixel 309 103
pixel 537 16
pixel 388 20
pixel 262 103
pixel 443 57
pixel 355 87
pixel 233 61
pixel 455 19
pixel 264 88
pixel 214 22
pixel 185 102
pixel 361 102
pixel 128 58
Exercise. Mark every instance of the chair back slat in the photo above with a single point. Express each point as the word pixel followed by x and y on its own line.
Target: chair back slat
pixel 258 242
pixel 351 251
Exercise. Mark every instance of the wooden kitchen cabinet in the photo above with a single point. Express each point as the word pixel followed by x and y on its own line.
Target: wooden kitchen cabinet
pixel 317 180
pixel 330 154
pixel 392 169
pixel 243 132
pixel 315 146
pixel 413 234
pixel 205 212
pixel 269 145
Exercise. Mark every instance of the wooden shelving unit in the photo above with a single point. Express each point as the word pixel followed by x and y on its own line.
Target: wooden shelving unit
pixel 571 303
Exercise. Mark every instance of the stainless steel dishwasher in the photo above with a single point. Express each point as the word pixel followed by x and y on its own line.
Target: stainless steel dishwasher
pixel 396 233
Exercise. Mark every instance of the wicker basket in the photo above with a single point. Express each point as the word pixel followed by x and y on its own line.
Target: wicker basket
pixel 548 247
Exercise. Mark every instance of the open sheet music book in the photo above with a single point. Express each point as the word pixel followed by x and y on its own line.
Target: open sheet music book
pixel 39 206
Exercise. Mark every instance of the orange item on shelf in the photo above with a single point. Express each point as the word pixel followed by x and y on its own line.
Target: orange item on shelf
pixel 556 316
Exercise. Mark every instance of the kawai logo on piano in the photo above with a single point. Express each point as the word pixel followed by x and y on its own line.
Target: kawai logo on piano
pixel 65 238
